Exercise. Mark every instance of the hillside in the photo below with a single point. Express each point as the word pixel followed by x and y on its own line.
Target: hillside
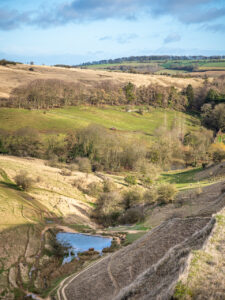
pixel 13 76
pixel 151 266
pixel 56 121
pixel 26 216
pixel 142 171
pixel 179 66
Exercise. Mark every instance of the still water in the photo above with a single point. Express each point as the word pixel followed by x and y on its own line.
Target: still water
pixel 82 242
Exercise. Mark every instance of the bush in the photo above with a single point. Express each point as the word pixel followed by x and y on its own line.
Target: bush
pixel 108 186
pixel 108 208
pixel 166 193
pixel 218 156
pixel 65 172
pixel 131 180
pixel 150 196
pixel 94 189
pixel 131 216
pixel 80 184
pixel 131 197
pixel 84 165
pixel 23 180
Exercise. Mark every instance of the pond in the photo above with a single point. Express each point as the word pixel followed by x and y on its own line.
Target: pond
pixel 79 242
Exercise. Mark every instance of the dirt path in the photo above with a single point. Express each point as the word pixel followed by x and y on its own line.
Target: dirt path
pixel 66 282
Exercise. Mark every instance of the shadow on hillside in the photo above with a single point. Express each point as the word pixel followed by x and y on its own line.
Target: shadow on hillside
pixel 181 177
pixel 10 185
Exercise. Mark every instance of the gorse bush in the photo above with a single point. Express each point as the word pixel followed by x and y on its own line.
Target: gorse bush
pixel 166 193
pixel 23 180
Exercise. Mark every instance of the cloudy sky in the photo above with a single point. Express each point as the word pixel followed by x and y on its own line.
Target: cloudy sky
pixel 76 31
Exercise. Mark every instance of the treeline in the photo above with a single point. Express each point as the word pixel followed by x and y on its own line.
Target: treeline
pixel 53 93
pixel 4 62
pixel 207 100
pixel 145 59
pixel 110 151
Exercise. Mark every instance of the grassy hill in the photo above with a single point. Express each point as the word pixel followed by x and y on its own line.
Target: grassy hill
pixel 170 67
pixel 14 76
pixel 56 121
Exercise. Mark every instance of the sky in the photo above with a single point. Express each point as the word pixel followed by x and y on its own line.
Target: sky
pixel 76 31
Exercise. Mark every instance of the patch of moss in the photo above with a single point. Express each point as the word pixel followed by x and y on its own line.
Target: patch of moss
pixel 132 237
pixel 181 291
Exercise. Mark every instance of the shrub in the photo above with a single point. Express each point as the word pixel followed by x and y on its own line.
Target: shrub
pixel 23 180
pixel 218 155
pixel 150 196
pixel 65 172
pixel 146 181
pixel 131 216
pixel 166 193
pixel 79 183
pixel 131 180
pixel 131 197
pixel 108 208
pixel 108 186
pixel 94 189
pixel 84 165
pixel 53 161
pixel 97 167
pixel 109 202
pixel 72 167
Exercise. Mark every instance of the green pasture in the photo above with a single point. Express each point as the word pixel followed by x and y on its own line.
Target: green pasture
pixel 57 121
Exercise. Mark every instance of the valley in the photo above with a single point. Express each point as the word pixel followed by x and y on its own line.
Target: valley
pixel 148 174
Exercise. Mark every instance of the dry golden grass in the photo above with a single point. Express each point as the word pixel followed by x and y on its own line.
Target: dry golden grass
pixel 13 76
pixel 53 194
pixel 205 278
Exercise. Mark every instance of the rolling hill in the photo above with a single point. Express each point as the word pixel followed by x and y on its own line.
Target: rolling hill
pixel 13 76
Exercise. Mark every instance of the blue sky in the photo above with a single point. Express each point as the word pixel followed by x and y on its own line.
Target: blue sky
pixel 76 31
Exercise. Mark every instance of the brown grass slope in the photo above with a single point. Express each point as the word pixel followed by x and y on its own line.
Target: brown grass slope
pixel 215 170
pixel 194 202
pixel 150 267
pixel 13 76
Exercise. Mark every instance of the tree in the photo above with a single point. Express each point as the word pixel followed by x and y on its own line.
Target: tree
pixel 190 95
pixel 214 118
pixel 212 96
pixel 130 92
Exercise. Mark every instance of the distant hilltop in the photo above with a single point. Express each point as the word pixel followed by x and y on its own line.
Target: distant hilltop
pixel 145 59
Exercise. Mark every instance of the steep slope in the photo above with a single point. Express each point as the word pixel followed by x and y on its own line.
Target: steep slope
pixel 24 220
pixel 150 267
pixel 204 278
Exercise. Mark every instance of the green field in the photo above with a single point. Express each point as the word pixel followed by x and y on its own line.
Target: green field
pixel 186 179
pixel 63 120
pixel 165 66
